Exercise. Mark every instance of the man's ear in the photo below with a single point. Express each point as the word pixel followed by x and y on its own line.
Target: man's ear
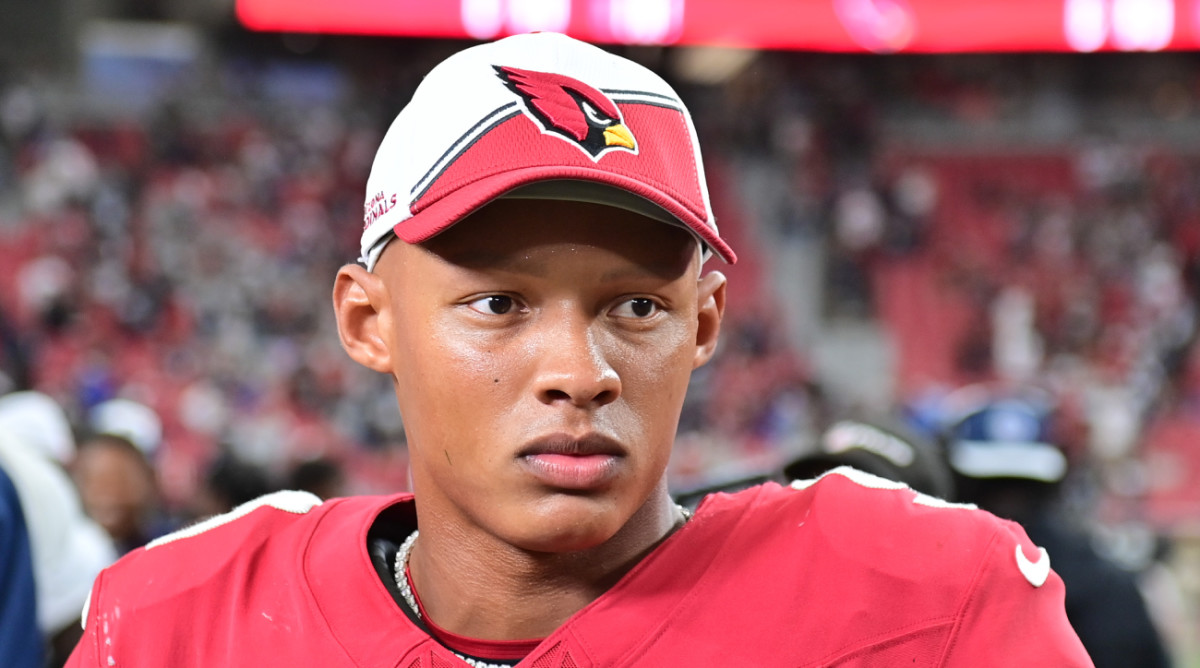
pixel 360 302
pixel 710 297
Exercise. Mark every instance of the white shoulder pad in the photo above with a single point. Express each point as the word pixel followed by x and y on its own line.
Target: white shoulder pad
pixel 872 481
pixel 290 501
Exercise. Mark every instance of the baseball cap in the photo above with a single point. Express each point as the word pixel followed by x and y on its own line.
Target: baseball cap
pixel 880 447
pixel 1006 435
pixel 540 116
pixel 131 420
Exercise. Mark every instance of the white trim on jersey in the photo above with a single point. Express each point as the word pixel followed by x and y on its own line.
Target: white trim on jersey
pixel 872 481
pixel 289 501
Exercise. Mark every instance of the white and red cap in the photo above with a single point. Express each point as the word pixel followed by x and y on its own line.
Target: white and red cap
pixel 538 116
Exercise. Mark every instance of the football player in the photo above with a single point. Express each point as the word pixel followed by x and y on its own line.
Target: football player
pixel 536 225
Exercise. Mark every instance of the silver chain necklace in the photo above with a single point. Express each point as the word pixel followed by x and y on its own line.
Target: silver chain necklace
pixel 401 576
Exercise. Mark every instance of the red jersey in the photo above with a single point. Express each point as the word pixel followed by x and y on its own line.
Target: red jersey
pixel 848 570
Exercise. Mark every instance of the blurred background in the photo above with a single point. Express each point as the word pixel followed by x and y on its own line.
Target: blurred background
pixel 927 197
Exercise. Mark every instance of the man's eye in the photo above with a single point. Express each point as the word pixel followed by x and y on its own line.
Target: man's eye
pixel 493 304
pixel 638 307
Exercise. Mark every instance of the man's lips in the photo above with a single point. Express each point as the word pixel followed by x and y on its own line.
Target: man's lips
pixel 575 446
pixel 567 462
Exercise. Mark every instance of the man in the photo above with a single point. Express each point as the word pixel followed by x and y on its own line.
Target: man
pixel 115 473
pixel 536 221
pixel 118 488
pixel 67 550
pixel 883 446
pixel 1004 446
pixel 20 639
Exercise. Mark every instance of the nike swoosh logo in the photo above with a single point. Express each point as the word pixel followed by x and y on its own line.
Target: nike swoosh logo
pixel 1035 572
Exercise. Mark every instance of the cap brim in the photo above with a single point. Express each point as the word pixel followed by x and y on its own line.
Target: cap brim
pixel 445 212
pixel 990 459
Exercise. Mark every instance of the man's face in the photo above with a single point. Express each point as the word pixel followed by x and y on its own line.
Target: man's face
pixel 540 352
pixel 116 486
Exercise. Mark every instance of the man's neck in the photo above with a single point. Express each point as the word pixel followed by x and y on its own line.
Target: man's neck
pixel 489 590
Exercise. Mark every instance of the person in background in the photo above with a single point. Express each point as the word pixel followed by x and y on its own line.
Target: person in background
pixel 119 489
pixel 68 549
pixel 1005 447
pixel 321 476
pixel 115 475
pixel 228 483
pixel 20 640
pixel 882 447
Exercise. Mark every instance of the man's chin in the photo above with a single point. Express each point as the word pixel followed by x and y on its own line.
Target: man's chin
pixel 561 544
pixel 573 524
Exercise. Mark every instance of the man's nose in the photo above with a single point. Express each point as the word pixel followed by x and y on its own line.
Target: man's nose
pixel 574 364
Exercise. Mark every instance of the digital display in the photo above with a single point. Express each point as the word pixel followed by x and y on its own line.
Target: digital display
pixel 881 26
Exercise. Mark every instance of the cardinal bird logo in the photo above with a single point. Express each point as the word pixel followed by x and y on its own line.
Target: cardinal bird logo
pixel 571 110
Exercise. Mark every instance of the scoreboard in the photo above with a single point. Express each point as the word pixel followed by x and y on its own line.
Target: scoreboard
pixel 880 26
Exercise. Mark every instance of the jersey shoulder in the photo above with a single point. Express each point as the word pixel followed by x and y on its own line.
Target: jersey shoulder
pixel 222 555
pixel 190 552
pixel 880 526
pixel 852 570
pixel 279 572
pixel 845 497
